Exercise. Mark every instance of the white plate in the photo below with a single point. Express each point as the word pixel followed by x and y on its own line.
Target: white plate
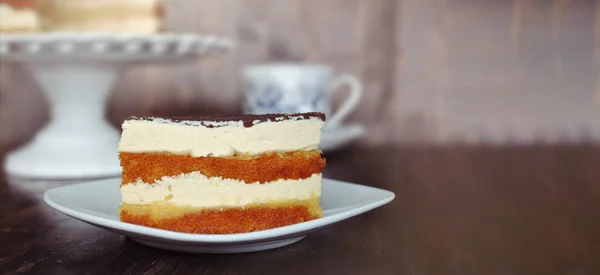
pixel 97 203
pixel 337 137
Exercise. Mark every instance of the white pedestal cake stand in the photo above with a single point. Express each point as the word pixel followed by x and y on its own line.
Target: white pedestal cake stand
pixel 76 72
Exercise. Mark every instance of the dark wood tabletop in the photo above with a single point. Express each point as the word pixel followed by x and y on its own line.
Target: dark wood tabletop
pixel 458 210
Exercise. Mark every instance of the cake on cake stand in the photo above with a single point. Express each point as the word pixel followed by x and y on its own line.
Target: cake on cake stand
pixel 76 72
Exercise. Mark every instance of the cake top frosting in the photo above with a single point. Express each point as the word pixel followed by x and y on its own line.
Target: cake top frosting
pixel 232 121
pixel 221 136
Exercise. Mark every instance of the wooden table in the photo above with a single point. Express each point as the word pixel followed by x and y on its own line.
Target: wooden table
pixel 458 210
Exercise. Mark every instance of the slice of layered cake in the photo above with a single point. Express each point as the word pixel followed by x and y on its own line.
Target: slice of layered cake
pixel 102 16
pixel 18 16
pixel 221 175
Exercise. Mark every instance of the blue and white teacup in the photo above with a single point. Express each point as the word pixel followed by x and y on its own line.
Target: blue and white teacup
pixel 296 88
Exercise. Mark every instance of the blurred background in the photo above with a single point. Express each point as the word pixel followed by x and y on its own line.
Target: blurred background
pixel 433 71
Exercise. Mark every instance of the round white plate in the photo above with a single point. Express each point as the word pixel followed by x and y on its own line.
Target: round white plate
pixel 97 203
pixel 340 136
pixel 241 248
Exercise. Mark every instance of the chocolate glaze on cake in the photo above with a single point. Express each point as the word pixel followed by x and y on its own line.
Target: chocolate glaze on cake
pixel 246 120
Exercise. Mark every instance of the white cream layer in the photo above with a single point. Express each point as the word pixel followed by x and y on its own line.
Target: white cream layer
pixel 197 190
pixel 185 138
pixel 13 19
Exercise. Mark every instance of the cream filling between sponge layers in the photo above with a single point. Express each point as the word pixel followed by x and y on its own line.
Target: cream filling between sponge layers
pixel 140 136
pixel 196 190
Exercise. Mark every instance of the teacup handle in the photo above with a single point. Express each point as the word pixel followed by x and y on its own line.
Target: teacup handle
pixel 350 104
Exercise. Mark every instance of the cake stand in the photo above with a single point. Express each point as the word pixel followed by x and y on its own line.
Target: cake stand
pixel 76 72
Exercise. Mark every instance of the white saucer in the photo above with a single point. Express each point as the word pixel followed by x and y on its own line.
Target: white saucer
pixel 97 203
pixel 340 136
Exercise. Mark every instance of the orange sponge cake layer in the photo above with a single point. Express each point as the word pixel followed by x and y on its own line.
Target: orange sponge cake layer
pixel 220 221
pixel 221 175
pixel 261 168
pixel 19 4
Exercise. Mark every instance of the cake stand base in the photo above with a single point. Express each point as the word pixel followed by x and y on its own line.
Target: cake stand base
pixel 78 142
pixel 64 158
